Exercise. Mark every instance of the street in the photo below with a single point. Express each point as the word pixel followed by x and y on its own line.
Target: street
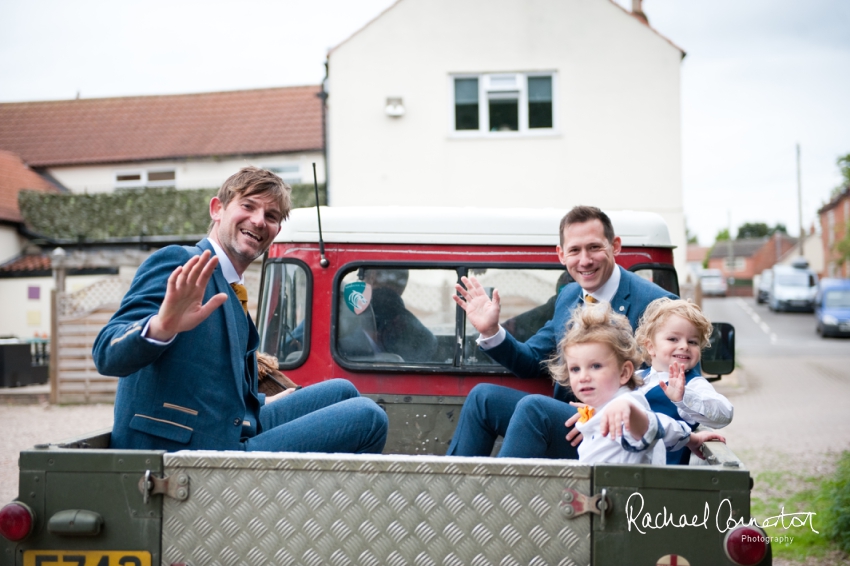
pixel 791 387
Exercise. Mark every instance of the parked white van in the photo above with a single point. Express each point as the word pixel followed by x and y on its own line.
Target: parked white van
pixel 793 287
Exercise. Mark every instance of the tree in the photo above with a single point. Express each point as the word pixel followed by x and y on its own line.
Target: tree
pixel 843 163
pixel 722 235
pixel 758 230
pixel 752 230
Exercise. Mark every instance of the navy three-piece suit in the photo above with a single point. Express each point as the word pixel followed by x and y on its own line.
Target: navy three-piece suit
pixel 199 391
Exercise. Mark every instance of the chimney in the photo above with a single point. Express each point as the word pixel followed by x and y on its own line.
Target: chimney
pixel 637 11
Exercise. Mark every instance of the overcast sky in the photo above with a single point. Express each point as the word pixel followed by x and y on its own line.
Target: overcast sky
pixel 760 76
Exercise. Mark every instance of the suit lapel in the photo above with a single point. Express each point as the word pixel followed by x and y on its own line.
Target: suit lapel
pixel 620 303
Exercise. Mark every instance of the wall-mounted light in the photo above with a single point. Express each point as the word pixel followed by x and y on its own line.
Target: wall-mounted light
pixel 395 107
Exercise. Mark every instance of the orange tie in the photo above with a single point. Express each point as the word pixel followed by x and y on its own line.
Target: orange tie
pixel 241 294
pixel 589 299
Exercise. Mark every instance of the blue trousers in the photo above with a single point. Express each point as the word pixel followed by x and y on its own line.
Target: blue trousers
pixel 326 417
pixel 532 425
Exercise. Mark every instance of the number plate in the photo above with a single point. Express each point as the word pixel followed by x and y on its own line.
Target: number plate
pixel 86 558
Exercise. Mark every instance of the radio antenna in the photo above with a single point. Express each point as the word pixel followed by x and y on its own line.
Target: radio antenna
pixel 323 261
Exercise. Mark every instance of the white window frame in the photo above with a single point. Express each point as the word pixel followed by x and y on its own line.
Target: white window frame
pixel 485 87
pixel 143 178
pixel 287 176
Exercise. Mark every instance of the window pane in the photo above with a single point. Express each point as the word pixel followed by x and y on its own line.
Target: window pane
pixel 539 102
pixel 283 310
pixel 128 177
pixel 466 104
pixel 504 112
pixel 528 302
pixel 540 89
pixel 160 176
pixel 466 91
pixel 396 315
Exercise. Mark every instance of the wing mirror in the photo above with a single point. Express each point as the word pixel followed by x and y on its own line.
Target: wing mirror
pixel 718 358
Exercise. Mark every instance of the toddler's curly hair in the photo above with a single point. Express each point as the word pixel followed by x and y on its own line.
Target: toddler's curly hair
pixel 597 324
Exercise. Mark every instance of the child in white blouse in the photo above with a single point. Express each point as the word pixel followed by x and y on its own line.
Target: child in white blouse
pixel 597 359
pixel 672 334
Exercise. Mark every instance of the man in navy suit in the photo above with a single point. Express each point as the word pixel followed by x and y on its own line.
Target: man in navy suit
pixel 185 347
pixel 533 425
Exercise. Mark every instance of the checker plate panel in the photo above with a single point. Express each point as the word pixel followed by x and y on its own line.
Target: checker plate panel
pixel 315 509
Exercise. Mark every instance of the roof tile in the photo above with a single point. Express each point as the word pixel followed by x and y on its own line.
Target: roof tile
pixel 14 176
pixel 109 130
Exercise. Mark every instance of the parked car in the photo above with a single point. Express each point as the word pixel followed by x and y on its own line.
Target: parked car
pixel 793 288
pixel 832 307
pixel 713 283
pixel 763 290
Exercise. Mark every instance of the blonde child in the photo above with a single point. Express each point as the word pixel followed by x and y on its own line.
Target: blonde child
pixel 597 359
pixel 672 334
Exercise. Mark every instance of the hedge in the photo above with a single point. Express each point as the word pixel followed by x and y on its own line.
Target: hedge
pixel 130 213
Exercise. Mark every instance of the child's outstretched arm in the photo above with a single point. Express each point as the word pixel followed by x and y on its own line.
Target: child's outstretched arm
pixel 699 403
pixel 699 438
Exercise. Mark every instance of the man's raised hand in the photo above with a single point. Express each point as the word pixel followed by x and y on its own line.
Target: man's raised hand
pixel 482 312
pixel 183 307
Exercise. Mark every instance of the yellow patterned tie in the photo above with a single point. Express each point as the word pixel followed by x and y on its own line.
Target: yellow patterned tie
pixel 589 299
pixel 241 294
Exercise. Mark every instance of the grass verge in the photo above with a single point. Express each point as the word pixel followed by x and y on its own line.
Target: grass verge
pixel 822 503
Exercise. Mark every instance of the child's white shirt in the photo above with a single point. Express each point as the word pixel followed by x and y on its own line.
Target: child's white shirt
pixel 700 403
pixel 595 448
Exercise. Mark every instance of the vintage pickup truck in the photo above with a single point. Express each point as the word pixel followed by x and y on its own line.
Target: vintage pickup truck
pixel 370 300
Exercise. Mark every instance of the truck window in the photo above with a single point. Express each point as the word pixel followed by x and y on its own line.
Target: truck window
pixel 662 275
pixel 395 315
pixel 389 315
pixel 283 312
pixel 528 302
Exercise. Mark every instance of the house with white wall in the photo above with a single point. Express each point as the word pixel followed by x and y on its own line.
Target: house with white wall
pixel 505 103
pixel 187 141
pixel 191 141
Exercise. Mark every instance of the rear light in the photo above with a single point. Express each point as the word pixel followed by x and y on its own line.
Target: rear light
pixel 745 545
pixel 16 520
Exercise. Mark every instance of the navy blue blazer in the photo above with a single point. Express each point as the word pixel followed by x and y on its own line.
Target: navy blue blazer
pixel 199 392
pixel 528 359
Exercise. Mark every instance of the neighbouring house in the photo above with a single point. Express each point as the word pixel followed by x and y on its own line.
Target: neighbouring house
pixel 122 146
pixel 25 282
pixel 744 259
pixel 835 228
pixel 506 103
pixel 187 141
pixel 139 173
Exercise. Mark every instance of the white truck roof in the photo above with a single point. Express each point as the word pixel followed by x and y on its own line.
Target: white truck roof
pixel 459 225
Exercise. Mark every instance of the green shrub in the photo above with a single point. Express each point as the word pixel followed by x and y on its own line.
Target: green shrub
pixel 838 512
pixel 130 213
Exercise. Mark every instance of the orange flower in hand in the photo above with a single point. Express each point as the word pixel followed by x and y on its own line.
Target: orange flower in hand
pixel 585 413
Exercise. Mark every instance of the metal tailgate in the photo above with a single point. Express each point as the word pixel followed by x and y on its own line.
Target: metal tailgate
pixel 268 508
